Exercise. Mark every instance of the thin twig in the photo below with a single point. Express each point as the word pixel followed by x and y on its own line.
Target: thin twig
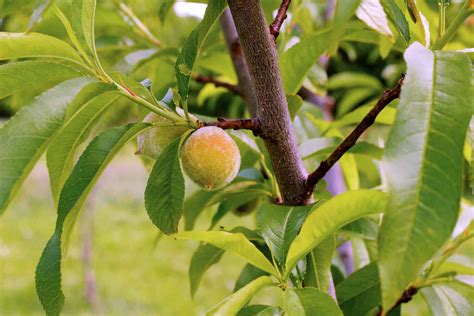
pixel 387 97
pixel 406 296
pixel 208 79
pixel 249 124
pixel 325 103
pixel 279 19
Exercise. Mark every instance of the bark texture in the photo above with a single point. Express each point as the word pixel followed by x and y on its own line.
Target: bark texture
pixel 244 87
pixel 272 108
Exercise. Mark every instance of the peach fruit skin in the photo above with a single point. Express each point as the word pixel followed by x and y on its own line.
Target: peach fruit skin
pixel 210 158
pixel 152 142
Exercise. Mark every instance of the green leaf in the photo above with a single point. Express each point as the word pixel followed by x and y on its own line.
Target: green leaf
pixel 248 274
pixel 344 12
pixel 387 116
pixel 310 301
pixel 35 45
pixel 232 304
pixel 190 50
pixel 352 98
pixel 279 226
pixel 88 169
pixel 260 310
pixel 194 205
pixel 363 228
pixel 360 292
pixel 60 155
pixel 372 13
pixel 204 257
pixel 165 9
pixel 348 166
pixel 24 75
pixel 318 269
pixel 454 299
pixel 295 102
pixel 25 136
pixel 397 17
pixel 296 62
pixel 235 243
pixel 12 6
pixel 41 6
pixel 423 165
pixel 331 215
pixel 164 194
pixel 346 80
pixel 82 22
pixel 232 203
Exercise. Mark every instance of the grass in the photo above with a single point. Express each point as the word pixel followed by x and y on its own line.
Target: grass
pixel 133 276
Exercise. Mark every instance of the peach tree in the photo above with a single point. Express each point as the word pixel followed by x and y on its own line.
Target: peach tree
pixel 319 153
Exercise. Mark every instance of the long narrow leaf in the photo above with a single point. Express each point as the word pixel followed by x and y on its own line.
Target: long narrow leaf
pixel 60 155
pixel 235 243
pixel 333 214
pixel 190 50
pixel 24 75
pixel 25 136
pixel 423 165
pixel 90 166
pixel 35 45
pixel 232 304
pixel 164 194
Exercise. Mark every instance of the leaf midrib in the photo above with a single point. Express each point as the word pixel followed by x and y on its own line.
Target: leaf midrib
pixel 74 145
pixel 417 202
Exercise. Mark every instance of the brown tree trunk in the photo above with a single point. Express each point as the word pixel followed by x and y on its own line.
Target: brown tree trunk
pixel 275 126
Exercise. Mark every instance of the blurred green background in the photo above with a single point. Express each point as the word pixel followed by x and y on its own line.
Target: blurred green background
pixel 134 273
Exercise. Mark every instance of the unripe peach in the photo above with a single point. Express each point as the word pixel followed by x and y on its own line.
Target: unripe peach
pixel 152 142
pixel 210 157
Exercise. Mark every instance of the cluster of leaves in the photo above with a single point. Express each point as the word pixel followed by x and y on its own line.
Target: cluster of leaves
pixel 292 248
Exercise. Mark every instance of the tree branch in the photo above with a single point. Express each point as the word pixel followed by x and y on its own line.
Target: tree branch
pixel 249 124
pixel 240 65
pixel 325 103
pixel 387 97
pixel 279 19
pixel 208 79
pixel 407 296
pixel 275 126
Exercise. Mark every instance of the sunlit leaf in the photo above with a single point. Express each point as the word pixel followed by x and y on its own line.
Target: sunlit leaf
pixel 190 50
pixel 232 304
pixel 235 243
pixel 331 215
pixel 372 13
pixel 25 137
pixel 60 155
pixel 423 165
pixel 296 62
pixel 82 22
pixel 24 75
pixel 35 45
pixel 310 301
pixel 344 11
